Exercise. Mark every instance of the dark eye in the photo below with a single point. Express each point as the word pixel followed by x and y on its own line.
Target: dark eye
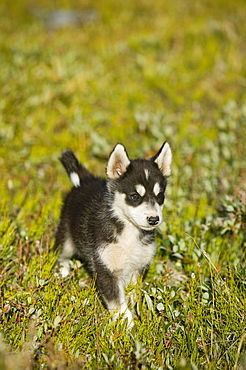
pixel 134 196
pixel 160 197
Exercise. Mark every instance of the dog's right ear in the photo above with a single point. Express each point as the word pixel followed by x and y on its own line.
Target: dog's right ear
pixel 163 159
pixel 117 163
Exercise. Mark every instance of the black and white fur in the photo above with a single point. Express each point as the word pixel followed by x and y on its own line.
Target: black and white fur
pixel 109 224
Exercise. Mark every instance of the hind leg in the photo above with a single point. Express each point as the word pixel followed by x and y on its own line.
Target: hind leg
pixel 67 253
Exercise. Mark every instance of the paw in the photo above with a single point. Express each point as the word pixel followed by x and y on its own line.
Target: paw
pixel 64 268
pixel 64 271
pixel 126 315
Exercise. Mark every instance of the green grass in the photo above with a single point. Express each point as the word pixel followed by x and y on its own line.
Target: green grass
pixel 137 72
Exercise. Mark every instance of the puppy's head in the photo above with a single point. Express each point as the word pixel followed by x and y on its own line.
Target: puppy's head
pixel 138 186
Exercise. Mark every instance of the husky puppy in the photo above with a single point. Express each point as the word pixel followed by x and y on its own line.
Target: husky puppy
pixel 109 224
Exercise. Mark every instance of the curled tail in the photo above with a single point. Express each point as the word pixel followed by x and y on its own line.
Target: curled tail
pixel 75 170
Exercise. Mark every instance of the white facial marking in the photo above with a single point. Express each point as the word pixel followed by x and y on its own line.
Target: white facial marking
pixel 74 177
pixel 140 189
pixel 136 215
pixel 156 189
pixel 146 174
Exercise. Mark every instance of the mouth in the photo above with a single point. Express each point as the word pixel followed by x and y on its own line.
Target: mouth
pixel 147 227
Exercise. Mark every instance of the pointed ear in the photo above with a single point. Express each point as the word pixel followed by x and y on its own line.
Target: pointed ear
pixel 164 159
pixel 117 163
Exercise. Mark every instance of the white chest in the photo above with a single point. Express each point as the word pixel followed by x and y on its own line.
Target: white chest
pixel 128 256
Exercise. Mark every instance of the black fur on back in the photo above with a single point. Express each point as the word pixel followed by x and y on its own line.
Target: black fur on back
pixel 86 215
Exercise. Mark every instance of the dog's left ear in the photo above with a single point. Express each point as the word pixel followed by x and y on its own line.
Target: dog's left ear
pixel 117 163
pixel 164 159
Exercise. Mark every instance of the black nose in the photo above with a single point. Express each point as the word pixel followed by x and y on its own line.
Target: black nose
pixel 153 220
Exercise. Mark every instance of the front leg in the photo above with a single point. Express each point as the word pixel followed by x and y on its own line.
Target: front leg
pixel 112 289
pixel 137 276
